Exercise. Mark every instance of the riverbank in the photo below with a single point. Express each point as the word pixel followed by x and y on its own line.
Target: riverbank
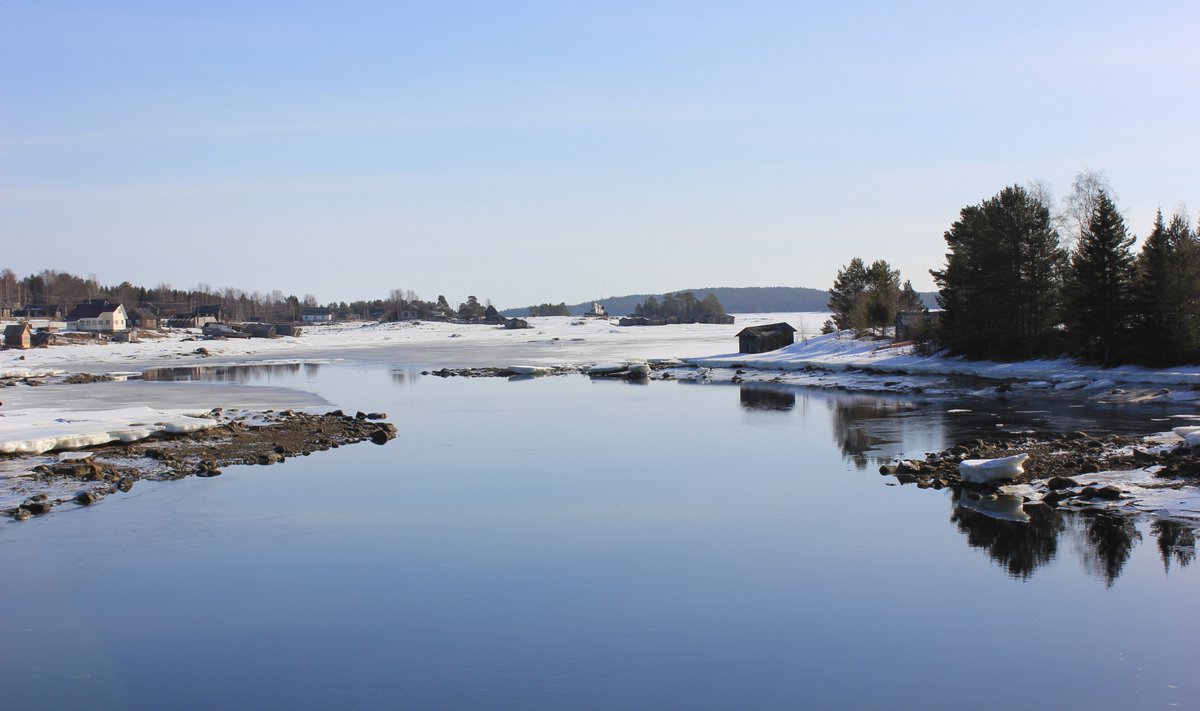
pixel 85 477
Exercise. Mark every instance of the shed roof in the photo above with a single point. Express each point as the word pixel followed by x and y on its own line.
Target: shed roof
pixel 766 329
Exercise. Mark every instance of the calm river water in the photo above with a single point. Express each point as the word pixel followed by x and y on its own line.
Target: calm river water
pixel 564 543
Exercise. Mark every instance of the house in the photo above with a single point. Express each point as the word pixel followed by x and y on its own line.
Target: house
pixel 210 311
pixel 513 323
pixel 18 335
pixel 97 315
pixel 143 318
pixel 917 325
pixel 50 312
pixel 5 310
pixel 311 314
pixel 597 310
pixel 771 337
pixel 634 321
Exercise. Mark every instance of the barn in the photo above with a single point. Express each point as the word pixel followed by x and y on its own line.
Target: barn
pixel 770 337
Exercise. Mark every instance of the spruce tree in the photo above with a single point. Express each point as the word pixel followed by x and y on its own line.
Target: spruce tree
pixel 850 282
pixel 1000 287
pixel 1100 303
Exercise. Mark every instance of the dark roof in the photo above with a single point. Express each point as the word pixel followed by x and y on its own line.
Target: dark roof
pixel 316 311
pixel 15 329
pixel 91 309
pixel 766 330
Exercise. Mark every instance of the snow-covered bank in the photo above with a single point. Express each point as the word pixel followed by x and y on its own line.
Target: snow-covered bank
pixel 841 352
pixel 38 431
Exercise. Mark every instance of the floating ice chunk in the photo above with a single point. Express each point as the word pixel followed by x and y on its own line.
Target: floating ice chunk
pixel 637 367
pixel 1183 395
pixel 1185 431
pixel 1192 440
pixel 1072 385
pixel 528 369
pixel 606 368
pixel 1102 384
pixel 981 471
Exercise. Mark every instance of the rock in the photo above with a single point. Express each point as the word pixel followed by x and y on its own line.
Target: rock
pixel 381 436
pixel 376 415
pixel 908 466
pixel 201 351
pixel 86 498
pixel 360 415
pixel 22 515
pixel 125 483
pixel 905 477
pixel 37 507
pixel 1062 482
pixel 268 458
pixel 335 413
pixel 1108 493
pixel 1058 495
pixel 886 469
pixel 1089 468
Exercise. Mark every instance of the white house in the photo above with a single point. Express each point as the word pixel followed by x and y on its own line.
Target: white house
pixel 97 315
pixel 311 314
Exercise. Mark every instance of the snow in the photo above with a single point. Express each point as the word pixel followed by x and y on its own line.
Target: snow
pixel 981 471
pixel 38 431
pixel 842 352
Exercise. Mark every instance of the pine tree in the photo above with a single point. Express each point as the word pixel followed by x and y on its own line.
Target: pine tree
pixel 1000 286
pixel 850 282
pixel 1100 302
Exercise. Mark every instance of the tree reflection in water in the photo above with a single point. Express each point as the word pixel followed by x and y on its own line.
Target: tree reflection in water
pixel 1020 547
pixel 856 422
pixel 1103 540
pixel 1109 542
pixel 1176 541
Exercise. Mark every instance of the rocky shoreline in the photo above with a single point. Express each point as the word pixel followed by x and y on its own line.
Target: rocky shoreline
pixel 87 476
pixel 1063 469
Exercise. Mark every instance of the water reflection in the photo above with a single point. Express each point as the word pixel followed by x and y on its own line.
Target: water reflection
pixel 863 425
pixel 1176 541
pixel 1103 541
pixel 240 374
pixel 762 396
pixel 1020 547
pixel 1109 542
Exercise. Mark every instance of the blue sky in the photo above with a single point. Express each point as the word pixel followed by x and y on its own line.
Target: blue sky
pixel 528 152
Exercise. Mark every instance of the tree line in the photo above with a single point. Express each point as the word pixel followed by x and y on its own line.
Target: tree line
pixel 1022 282
pixel 682 305
pixel 51 287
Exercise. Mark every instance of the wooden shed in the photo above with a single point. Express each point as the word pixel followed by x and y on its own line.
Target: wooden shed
pixel 18 335
pixel 760 339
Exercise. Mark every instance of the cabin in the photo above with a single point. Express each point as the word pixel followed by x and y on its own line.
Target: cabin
pixel 50 312
pixel 210 311
pixel 98 316
pixel 917 325
pixel 18 335
pixel 314 314
pixel 5 310
pixel 143 318
pixel 516 323
pixel 634 321
pixel 771 337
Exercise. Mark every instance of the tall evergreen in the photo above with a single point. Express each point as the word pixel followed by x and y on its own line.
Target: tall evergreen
pixel 1000 287
pixel 1167 292
pixel 1100 300
pixel 849 284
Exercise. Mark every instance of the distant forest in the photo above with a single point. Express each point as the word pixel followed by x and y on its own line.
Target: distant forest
pixel 743 300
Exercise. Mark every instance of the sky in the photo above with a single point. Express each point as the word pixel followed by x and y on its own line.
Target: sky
pixel 529 152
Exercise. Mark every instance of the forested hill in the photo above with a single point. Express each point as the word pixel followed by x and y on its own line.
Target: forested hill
pixel 748 299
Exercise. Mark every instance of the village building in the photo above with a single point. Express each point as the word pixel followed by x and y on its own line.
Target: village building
pixel 49 312
pixel 98 316
pixel 598 310
pixel 18 335
pixel 314 314
pixel 143 318
pixel 917 325
pixel 770 337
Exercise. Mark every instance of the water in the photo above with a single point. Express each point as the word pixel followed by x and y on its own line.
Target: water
pixel 566 543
